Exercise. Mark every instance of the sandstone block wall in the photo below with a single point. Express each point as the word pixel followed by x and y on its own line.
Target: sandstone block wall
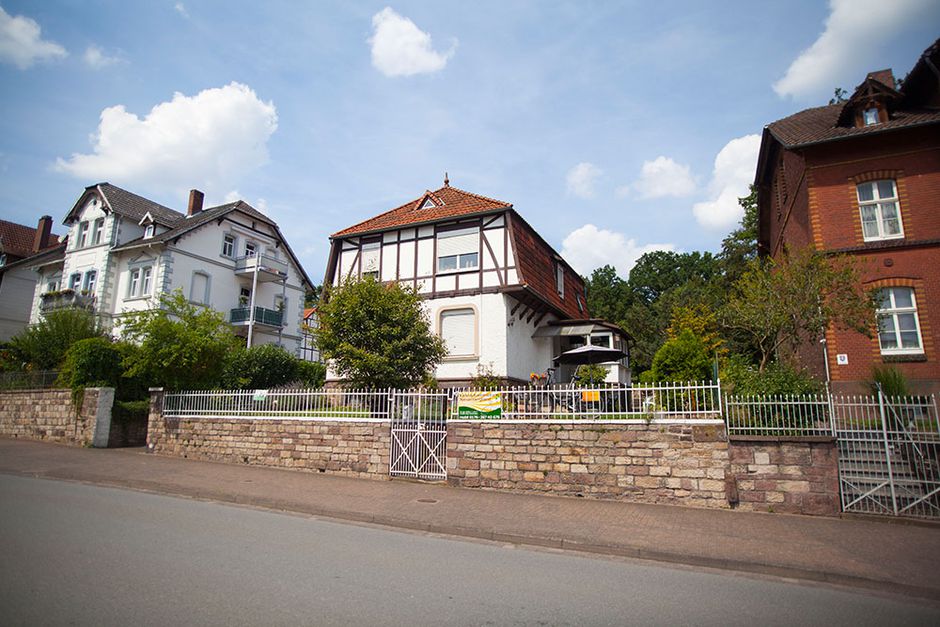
pixel 795 477
pixel 357 449
pixel 650 463
pixel 50 415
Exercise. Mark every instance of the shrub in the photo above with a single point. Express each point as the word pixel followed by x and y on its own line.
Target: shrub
pixel 683 358
pixel 311 374
pixel 42 346
pixel 891 380
pixel 744 378
pixel 93 362
pixel 125 411
pixel 260 367
pixel 485 378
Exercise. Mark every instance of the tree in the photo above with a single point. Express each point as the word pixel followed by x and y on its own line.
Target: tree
pixel 43 346
pixel 839 96
pixel 608 296
pixel 702 321
pixel 681 359
pixel 740 246
pixel 780 304
pixel 312 296
pixel 660 271
pixel 182 346
pixel 377 335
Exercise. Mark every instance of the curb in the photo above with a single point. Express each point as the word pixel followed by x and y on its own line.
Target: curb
pixel 561 543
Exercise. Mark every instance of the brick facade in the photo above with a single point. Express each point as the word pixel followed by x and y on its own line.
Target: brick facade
pixel 49 415
pixel 650 463
pixel 792 477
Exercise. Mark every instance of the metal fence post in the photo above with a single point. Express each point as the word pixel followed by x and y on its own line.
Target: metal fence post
pixel 884 431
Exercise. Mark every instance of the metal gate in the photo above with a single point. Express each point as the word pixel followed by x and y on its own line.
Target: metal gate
pixel 888 455
pixel 419 434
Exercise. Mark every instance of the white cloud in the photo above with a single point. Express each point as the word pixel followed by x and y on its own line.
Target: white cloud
pixel 663 177
pixel 588 248
pixel 96 59
pixel 581 179
pixel 208 141
pixel 400 48
pixel 855 32
pixel 733 173
pixel 181 9
pixel 21 42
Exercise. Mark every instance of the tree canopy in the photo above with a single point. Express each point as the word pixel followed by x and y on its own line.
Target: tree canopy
pixel 377 335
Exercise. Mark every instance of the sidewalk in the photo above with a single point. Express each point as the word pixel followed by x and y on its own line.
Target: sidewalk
pixel 897 558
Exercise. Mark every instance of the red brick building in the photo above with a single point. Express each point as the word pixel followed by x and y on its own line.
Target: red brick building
pixel 862 178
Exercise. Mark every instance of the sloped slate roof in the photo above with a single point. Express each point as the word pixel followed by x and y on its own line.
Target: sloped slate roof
pixel 132 206
pixel 16 240
pixel 449 202
pixel 818 125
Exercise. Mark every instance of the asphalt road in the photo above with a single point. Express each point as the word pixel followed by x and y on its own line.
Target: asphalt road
pixel 79 554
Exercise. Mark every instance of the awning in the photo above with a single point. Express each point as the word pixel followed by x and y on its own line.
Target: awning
pixel 556 330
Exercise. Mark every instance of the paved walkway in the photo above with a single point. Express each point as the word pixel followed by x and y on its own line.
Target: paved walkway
pixel 897 558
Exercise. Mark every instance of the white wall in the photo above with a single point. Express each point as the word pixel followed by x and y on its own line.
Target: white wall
pixel 17 290
pixel 491 339
pixel 526 354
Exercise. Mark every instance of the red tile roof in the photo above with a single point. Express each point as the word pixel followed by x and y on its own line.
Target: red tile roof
pixel 449 202
pixel 536 261
pixel 17 240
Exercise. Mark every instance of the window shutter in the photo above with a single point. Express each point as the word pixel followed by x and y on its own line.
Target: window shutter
pixel 370 257
pixel 200 283
pixel 458 330
pixel 458 242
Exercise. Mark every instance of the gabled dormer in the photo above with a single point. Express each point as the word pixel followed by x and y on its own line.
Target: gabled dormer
pixel 148 225
pixel 872 102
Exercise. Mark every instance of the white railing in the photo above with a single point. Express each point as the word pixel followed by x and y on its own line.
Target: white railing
pixel 300 404
pixel 783 415
pixel 693 400
pixel 665 400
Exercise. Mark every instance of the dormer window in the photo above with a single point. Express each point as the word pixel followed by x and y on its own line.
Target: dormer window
pixel 148 232
pixel 427 204
pixel 870 116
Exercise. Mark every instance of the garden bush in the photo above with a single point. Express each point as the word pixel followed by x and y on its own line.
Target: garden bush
pixel 92 362
pixel 311 374
pixel 743 378
pixel 260 367
pixel 42 346
pixel 680 359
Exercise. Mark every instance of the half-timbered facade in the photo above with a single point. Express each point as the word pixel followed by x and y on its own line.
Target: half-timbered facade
pixel 488 279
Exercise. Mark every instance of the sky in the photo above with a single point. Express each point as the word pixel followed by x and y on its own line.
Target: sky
pixel 613 128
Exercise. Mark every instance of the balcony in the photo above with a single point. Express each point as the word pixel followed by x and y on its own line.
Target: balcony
pixel 66 299
pixel 240 316
pixel 269 268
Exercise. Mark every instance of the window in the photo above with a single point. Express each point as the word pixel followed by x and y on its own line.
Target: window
pixel 458 330
pixel 560 279
pixel 580 305
pixel 898 326
pixel 3 259
pixel 280 303
pixel 878 204
pixel 458 250
pixel 428 204
pixel 199 290
pixel 75 281
pixel 250 249
pixel 145 281
pixel 98 231
pixel 90 278
pixel 139 283
pixel 52 286
pixel 870 116
pixel 148 232
pixel 244 296
pixel 82 235
pixel 228 246
pixel 602 339
pixel 134 284
pixel 369 260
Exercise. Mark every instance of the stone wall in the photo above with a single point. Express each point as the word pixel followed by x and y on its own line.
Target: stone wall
pixel 660 462
pixel 797 476
pixel 357 449
pixel 50 415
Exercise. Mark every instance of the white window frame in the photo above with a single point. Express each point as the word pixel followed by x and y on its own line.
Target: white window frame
pixel 97 232
pixel 148 231
pixel 877 203
pixel 89 282
pixel 251 249
pixel 140 280
pixel 893 311
pixel 459 258
pixel 82 234
pixel 75 281
pixel 870 116
pixel 375 250
pixel 133 283
pixel 229 242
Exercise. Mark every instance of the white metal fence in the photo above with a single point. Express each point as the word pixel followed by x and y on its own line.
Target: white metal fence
pixel 783 415
pixel 664 400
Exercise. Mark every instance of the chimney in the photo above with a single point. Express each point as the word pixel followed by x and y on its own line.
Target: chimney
pixel 43 229
pixel 885 77
pixel 195 202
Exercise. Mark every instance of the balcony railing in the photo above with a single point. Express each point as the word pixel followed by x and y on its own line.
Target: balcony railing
pixel 66 299
pixel 270 317
pixel 264 263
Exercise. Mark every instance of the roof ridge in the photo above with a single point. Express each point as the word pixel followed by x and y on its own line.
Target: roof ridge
pixel 480 196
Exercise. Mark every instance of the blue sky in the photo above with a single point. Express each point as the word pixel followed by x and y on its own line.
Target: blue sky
pixel 613 127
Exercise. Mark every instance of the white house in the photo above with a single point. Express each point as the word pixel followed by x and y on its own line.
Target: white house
pixel 497 293
pixel 20 247
pixel 124 250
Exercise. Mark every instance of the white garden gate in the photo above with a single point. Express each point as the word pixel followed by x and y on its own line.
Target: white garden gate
pixel 419 434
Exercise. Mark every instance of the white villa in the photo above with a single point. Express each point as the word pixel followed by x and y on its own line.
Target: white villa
pixel 123 250
pixel 495 291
